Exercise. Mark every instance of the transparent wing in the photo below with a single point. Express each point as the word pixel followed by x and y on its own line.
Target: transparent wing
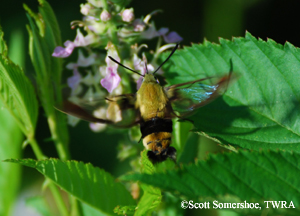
pixel 118 111
pixel 187 97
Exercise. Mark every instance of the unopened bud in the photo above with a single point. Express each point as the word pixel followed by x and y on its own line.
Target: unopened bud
pixel 127 15
pixel 105 16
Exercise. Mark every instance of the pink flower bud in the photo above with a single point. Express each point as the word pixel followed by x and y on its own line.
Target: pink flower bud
pixel 105 16
pixel 127 15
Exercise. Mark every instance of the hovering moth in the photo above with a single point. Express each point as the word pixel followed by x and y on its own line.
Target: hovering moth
pixel 152 107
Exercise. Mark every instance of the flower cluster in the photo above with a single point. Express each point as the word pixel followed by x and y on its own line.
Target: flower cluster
pixel 111 30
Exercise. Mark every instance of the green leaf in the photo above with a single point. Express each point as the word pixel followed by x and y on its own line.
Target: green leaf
pixel 152 196
pixel 18 95
pixel 191 148
pixel 52 38
pixel 250 176
pixel 87 183
pixel 44 36
pixel 38 48
pixel 147 166
pixel 10 174
pixel 149 201
pixel 258 111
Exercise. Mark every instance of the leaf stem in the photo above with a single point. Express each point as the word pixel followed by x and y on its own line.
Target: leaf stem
pixel 60 145
pixel 55 120
pixel 36 149
pixel 58 199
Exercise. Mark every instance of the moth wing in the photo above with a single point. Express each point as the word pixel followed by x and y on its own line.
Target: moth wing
pixel 185 98
pixel 118 111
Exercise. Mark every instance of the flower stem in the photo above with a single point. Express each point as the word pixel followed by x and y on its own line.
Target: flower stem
pixel 56 132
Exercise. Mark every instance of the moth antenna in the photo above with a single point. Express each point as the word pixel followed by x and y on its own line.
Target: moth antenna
pixel 167 58
pixel 146 67
pixel 115 61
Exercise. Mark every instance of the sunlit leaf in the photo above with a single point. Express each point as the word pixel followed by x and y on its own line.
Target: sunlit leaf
pixel 260 110
pixel 18 95
pixel 87 183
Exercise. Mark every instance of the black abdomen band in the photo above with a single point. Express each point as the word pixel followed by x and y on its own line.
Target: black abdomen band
pixel 156 125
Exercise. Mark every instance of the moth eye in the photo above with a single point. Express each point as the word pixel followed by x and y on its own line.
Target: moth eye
pixel 156 79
